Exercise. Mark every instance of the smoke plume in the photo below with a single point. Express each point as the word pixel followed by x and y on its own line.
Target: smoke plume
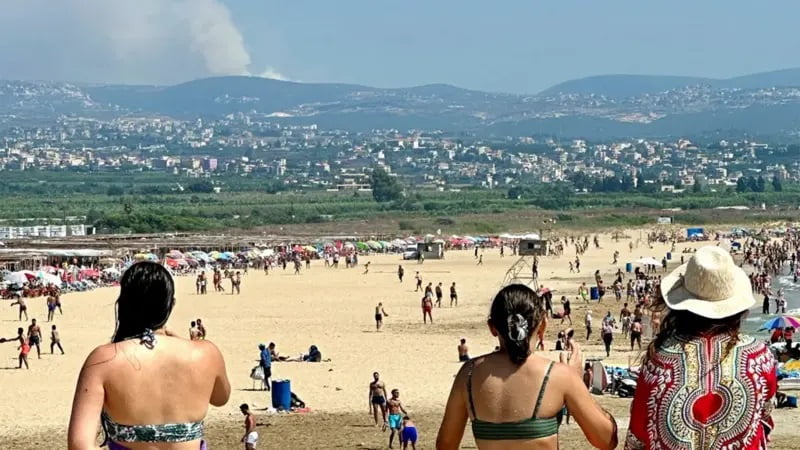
pixel 122 41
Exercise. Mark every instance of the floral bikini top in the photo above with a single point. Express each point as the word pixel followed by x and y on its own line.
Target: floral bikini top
pixel 168 432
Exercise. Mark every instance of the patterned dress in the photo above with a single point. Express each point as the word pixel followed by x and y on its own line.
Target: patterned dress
pixel 689 398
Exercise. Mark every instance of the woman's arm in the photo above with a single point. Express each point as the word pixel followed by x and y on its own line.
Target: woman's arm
pixel 598 426
pixel 221 392
pixel 87 405
pixel 455 415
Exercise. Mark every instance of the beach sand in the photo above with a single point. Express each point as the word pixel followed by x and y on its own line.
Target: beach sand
pixel 333 309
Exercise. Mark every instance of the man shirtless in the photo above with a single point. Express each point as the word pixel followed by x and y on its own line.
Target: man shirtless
pixel 250 437
pixel 463 351
pixel 194 334
pixel 400 273
pixel 453 294
pixel 380 313
pixel 201 329
pixel 23 308
pixel 395 418
pixel 35 337
pixel 439 295
pixel 377 398
pixel 419 282
pixel 51 307
pixel 55 340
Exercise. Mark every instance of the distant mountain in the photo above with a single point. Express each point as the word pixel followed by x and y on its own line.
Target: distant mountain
pixel 596 107
pixel 621 86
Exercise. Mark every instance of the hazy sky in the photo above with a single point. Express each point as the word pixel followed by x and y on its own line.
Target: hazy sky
pixel 505 45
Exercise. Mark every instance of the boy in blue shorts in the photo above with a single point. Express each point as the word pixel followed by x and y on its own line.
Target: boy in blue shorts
pixel 409 434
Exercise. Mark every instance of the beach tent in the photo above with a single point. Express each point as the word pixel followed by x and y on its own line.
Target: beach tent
pixel 649 261
pixel 694 233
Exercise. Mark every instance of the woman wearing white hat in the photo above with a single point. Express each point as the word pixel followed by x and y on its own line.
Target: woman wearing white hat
pixel 702 384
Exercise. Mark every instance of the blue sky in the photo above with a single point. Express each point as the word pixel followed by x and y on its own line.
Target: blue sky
pixel 511 45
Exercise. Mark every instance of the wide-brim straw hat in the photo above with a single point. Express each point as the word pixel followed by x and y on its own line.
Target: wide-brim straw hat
pixel 709 285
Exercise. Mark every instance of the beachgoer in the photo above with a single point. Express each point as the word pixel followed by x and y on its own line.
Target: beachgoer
pixel 380 313
pixel 439 295
pixel 35 337
pixel 583 291
pixel 427 308
pixel 685 386
pixel 463 351
pixel 24 348
pixel 419 282
pixel 250 438
pixel 480 260
pixel 636 333
pixel 163 394
pixel 505 411
pixel 201 329
pixel 366 268
pixel 273 352
pixel 587 321
pixel 608 336
pixel 395 418
pixel 194 334
pixel 400 273
pixel 23 308
pixel 377 398
pixel 409 434
pixel 453 294
pixel 51 307
pixel 265 361
pixel 55 340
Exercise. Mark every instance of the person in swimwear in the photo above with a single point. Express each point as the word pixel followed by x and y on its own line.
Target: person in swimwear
pixel 201 329
pixel 250 438
pixel 58 302
pixel 400 273
pixel 409 433
pixel 427 308
pixel 23 308
pixel 51 307
pixel 380 313
pixel 377 398
pixel 23 348
pixel 55 340
pixel 194 334
pixel 453 294
pixel 395 418
pixel 463 351
pixel 35 337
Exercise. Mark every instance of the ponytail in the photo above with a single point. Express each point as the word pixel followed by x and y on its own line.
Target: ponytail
pixel 515 315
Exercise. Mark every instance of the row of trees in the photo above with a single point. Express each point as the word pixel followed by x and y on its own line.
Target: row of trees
pixel 752 184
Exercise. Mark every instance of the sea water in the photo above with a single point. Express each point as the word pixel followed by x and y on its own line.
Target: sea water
pixel 791 292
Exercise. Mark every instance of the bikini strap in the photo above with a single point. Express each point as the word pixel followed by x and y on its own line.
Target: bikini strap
pixel 469 389
pixel 541 390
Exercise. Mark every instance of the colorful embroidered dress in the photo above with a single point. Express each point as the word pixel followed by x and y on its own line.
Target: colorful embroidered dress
pixel 689 398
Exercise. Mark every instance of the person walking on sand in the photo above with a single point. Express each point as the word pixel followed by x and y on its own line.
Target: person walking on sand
pixel 453 294
pixel 583 291
pixel 395 418
pixel 377 399
pixel 51 307
pixel 35 337
pixel 250 438
pixel 23 308
pixel 201 330
pixel 636 332
pixel 366 268
pixel 24 348
pixel 427 308
pixel 463 351
pixel 480 260
pixel 567 309
pixel 419 282
pixel 400 273
pixel 380 313
pixel 265 361
pixel 587 320
pixel 608 336
pixel 194 334
pixel 55 340
pixel 439 295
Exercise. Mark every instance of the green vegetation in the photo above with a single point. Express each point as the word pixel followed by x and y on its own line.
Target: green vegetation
pixel 146 202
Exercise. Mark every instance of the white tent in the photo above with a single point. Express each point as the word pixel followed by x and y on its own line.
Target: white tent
pixel 649 261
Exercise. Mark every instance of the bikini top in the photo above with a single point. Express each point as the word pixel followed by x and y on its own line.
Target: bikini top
pixel 168 432
pixel 531 428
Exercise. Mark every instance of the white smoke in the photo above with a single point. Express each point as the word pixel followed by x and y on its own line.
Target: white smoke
pixel 132 41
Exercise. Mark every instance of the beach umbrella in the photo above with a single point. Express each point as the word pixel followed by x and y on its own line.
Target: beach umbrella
pixel 16 278
pixel 112 271
pixel 48 278
pixel 648 261
pixel 362 246
pixel 373 245
pixel 781 322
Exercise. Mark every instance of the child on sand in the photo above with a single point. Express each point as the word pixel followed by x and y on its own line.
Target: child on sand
pixel 409 433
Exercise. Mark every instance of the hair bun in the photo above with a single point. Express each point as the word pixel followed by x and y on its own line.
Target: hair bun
pixel 517 327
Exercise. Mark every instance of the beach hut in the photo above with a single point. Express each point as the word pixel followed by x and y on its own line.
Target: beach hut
pixel 431 250
pixel 532 247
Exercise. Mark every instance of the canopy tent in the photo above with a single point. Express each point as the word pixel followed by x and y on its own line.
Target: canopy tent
pixel 649 261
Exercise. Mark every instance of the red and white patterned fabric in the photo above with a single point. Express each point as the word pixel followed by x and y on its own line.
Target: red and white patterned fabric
pixel 689 398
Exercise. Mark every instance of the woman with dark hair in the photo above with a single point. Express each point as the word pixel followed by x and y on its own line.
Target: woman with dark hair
pixel 702 384
pixel 149 388
pixel 514 398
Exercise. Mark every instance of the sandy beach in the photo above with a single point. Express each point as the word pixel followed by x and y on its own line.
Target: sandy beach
pixel 333 309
